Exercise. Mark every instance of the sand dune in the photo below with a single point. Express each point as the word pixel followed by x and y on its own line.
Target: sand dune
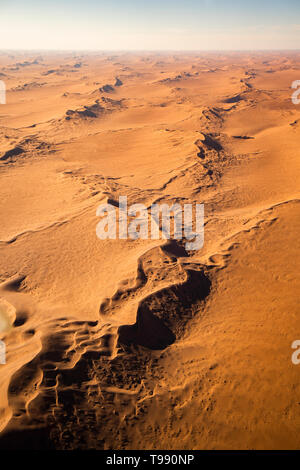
pixel 140 344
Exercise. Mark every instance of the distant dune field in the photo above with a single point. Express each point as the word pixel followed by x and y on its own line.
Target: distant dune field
pixel 141 344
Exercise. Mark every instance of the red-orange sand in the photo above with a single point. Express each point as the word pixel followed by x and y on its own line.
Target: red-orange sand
pixel 123 344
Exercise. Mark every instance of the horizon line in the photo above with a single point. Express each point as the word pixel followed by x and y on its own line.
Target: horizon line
pixel 149 50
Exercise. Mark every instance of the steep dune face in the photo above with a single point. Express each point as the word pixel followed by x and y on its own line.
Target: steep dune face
pixel 140 343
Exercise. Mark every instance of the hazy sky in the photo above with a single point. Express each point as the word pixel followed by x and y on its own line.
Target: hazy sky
pixel 149 24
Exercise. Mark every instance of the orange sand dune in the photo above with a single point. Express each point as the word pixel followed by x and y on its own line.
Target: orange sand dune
pixel 140 344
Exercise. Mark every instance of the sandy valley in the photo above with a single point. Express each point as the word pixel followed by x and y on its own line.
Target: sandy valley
pixel 141 344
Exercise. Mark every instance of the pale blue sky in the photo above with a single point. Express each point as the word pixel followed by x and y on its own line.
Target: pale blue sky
pixel 150 24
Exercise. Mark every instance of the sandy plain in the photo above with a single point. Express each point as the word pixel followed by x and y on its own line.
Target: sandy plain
pixel 139 344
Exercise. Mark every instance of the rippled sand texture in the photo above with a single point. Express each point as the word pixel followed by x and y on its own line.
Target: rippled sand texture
pixel 122 344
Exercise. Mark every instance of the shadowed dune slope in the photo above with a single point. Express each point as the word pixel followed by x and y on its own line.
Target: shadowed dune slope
pixel 143 344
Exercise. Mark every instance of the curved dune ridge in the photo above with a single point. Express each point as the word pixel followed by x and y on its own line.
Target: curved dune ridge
pixel 7 316
pixel 142 344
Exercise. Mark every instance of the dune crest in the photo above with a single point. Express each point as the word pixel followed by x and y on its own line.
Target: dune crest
pixel 143 344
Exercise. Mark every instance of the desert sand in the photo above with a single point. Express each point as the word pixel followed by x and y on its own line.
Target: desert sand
pixel 140 344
